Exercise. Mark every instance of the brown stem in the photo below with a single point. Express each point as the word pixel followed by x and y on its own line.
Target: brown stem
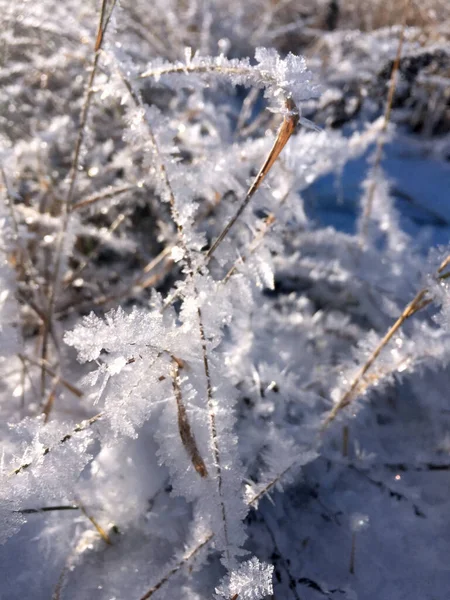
pixel 77 429
pixel 287 128
pixel 381 137
pixel 65 209
pixel 184 427
pixel 419 302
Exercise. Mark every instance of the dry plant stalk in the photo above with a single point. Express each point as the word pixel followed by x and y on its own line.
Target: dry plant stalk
pixel 44 509
pixel 44 365
pixel 104 19
pixel 46 410
pixel 186 558
pixel 189 263
pixel 110 192
pixel 287 128
pixel 387 116
pixel 193 551
pixel 102 533
pixel 419 302
pixel 268 222
pixel 184 427
pixel 77 429
pixel 352 554
pixel 285 131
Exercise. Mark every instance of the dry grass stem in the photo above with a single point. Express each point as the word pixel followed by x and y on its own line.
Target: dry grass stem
pixel 104 19
pixel 102 533
pixel 352 554
pixel 44 365
pixel 186 558
pixel 107 194
pixel 189 263
pixel 184 427
pixel 387 115
pixel 287 128
pixel 77 429
pixel 44 509
pixel 419 302
pixel 189 555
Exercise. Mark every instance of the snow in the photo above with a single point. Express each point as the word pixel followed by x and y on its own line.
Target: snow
pixel 267 418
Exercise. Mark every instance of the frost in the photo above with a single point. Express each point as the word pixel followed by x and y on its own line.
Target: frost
pixel 206 352
pixel 281 78
pixel 252 581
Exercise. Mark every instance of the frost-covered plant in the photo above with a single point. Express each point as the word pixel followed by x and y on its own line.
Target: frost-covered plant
pixel 153 221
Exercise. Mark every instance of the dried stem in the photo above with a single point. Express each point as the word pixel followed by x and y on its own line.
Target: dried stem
pixel 381 137
pixel 102 533
pixel 419 302
pixel 184 427
pixel 44 509
pixel 77 429
pixel 193 551
pixel 285 563
pixel 42 364
pixel 352 554
pixel 287 128
pixel 186 558
pixel 94 252
pixel 110 192
pixel 104 19
pixel 190 266
pixel 50 400
pixel 285 131
pixel 201 70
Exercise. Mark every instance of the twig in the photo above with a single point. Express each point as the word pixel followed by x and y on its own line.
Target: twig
pixel 419 302
pixel 110 192
pixel 193 551
pixel 189 263
pixel 186 558
pixel 77 429
pixel 184 427
pixel 95 251
pixel 42 364
pixel 104 19
pixel 102 533
pixel 44 509
pixel 287 128
pixel 381 137
pixel 285 131
pixel 292 582
pixel 50 400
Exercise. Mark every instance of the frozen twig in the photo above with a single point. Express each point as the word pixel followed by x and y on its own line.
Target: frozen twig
pixel 419 302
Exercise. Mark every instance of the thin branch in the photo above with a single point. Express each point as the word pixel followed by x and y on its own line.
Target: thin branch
pixel 102 533
pixel 68 436
pixel 287 128
pixel 110 192
pixel 193 551
pixel 419 302
pixel 104 19
pixel 201 70
pixel 381 136
pixel 190 266
pixel 285 131
pixel 42 364
pixel 186 558
pixel 184 427
pixel 44 509
pixel 95 251
pixel 292 582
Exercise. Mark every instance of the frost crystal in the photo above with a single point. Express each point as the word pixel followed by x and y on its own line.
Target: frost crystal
pixel 251 581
